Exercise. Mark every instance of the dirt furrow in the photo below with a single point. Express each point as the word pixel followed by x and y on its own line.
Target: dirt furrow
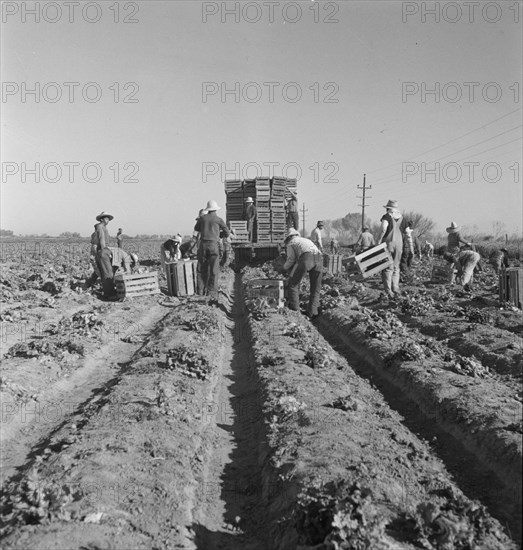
pixel 27 422
pixel 227 515
pixel 477 415
pixel 341 466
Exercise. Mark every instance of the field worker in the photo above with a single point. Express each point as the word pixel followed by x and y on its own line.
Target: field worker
pixel 304 257
pixel 428 249
pixel 366 240
pixel 250 216
pixel 226 249
pixel 122 262
pixel 119 238
pixel 417 246
pixel 454 238
pixel 499 259
pixel 103 254
pixel 334 246
pixel 316 235
pixel 391 234
pixel 209 226
pixel 408 248
pixel 463 264
pixel 293 218
pixel 170 250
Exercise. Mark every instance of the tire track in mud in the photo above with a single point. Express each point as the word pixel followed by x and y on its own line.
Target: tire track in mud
pixel 227 514
pixel 27 429
pixel 472 474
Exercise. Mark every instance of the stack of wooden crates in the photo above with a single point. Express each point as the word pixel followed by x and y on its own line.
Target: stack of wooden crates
pixel 270 195
pixel 138 284
pixel 333 263
pixel 263 221
pixel 511 286
pixel 181 277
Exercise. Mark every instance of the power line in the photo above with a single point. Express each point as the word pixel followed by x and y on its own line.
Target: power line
pixel 391 178
pixel 450 141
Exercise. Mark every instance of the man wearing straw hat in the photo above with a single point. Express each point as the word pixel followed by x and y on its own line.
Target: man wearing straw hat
pixel 210 226
pixel 391 234
pixel 104 255
pixel 304 257
pixel 454 238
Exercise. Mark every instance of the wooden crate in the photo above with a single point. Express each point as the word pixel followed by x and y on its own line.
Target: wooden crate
pixel 181 278
pixel 333 263
pixel 266 288
pixel 370 262
pixel 511 286
pixel 139 284
pixel 441 274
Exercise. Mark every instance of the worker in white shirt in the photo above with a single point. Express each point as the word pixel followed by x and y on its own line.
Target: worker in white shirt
pixel 316 235
pixel 304 257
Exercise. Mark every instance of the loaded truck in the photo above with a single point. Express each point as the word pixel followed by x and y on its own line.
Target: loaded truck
pixel 270 226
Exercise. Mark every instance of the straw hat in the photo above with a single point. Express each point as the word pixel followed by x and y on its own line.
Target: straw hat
pixel 391 204
pixel 249 199
pixel 291 233
pixel 104 215
pixel 177 238
pixel 212 205
pixel 453 228
pixel 320 223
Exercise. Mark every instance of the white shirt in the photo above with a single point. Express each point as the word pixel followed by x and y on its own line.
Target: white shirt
pixel 295 248
pixel 316 238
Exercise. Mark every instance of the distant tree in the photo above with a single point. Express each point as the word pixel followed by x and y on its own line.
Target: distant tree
pixel 422 225
pixel 6 233
pixel 346 229
pixel 499 229
pixel 70 235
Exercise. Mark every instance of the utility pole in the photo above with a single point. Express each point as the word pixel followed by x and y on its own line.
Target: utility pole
pixel 303 211
pixel 364 189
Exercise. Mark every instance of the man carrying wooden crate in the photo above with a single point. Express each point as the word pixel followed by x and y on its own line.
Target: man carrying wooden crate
pixel 210 226
pixel 391 234
pixel 304 257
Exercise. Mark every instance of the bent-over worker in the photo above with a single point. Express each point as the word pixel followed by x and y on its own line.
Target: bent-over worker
pixel 304 257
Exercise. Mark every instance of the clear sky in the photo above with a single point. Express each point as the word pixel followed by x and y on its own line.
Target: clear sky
pixel 161 138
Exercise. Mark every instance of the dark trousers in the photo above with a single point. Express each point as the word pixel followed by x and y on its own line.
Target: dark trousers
pixel 293 220
pixel 250 228
pixel 313 265
pixel 208 260
pixel 406 260
pixel 105 265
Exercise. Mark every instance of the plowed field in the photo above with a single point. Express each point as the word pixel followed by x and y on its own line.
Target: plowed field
pixel 161 423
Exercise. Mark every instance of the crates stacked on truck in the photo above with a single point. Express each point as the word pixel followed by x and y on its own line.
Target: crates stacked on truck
pixel 241 235
pixel 263 222
pixel 292 185
pixel 234 206
pixel 278 221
